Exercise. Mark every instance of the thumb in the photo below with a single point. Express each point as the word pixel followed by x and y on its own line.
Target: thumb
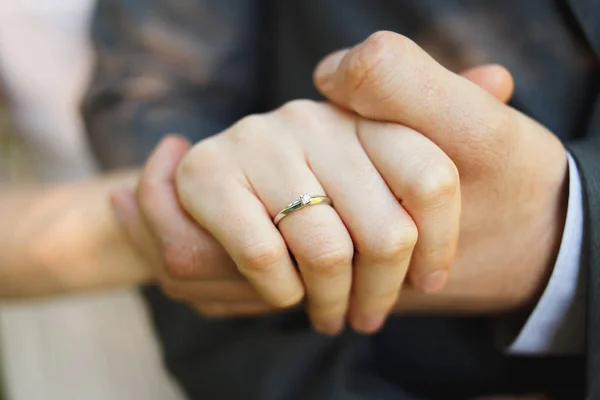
pixel 493 78
pixel 390 78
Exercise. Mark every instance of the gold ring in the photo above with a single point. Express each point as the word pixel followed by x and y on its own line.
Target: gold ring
pixel 305 200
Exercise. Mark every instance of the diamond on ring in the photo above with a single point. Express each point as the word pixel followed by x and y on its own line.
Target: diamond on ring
pixel 305 200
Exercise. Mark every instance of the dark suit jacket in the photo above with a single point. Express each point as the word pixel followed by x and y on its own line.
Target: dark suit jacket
pixel 196 66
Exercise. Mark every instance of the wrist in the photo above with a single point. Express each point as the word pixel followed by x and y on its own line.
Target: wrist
pixel 543 238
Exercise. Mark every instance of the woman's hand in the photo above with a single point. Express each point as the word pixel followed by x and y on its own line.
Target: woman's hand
pixel 186 262
pixel 387 183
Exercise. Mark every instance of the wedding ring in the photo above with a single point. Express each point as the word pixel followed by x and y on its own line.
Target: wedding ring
pixel 305 200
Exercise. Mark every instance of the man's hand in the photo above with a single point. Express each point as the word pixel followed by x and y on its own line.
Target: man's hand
pixel 188 263
pixel 513 171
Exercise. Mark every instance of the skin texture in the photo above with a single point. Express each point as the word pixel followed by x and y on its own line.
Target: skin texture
pixel 513 171
pixel 192 266
pixel 512 174
pixel 235 183
pixel 65 238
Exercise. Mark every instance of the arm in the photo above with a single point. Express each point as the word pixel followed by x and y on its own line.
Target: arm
pixel 64 238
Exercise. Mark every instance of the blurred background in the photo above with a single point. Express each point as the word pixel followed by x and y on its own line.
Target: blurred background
pixel 92 346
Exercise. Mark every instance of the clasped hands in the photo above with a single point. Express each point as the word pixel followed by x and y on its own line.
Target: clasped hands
pixel 433 178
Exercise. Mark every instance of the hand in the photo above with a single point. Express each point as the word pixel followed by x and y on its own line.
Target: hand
pixel 513 171
pixel 187 262
pixel 235 183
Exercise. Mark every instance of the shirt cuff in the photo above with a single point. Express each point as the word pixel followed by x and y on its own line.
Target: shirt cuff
pixel 557 324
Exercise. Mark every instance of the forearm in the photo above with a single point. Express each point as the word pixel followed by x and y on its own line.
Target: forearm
pixel 64 238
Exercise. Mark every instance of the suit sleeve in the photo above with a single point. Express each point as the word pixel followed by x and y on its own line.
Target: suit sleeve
pixel 188 67
pixel 586 153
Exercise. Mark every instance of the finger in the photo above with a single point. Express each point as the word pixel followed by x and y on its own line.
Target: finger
pixel 389 78
pixel 316 235
pixel 214 192
pixel 426 182
pixel 218 290
pixel 494 79
pixel 217 309
pixel 382 231
pixel 188 252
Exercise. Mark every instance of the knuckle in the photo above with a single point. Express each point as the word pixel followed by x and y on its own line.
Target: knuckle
pixel 384 42
pixel 299 108
pixel 373 60
pixel 204 154
pixel 199 167
pixel 252 130
pixel 436 182
pixel 306 114
pixel 262 258
pixel 251 123
pixel 363 67
pixel 329 260
pixel 393 241
pixel 193 164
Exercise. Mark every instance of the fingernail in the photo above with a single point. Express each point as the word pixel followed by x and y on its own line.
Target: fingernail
pixel 330 327
pixel 434 281
pixel 369 324
pixel 327 68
